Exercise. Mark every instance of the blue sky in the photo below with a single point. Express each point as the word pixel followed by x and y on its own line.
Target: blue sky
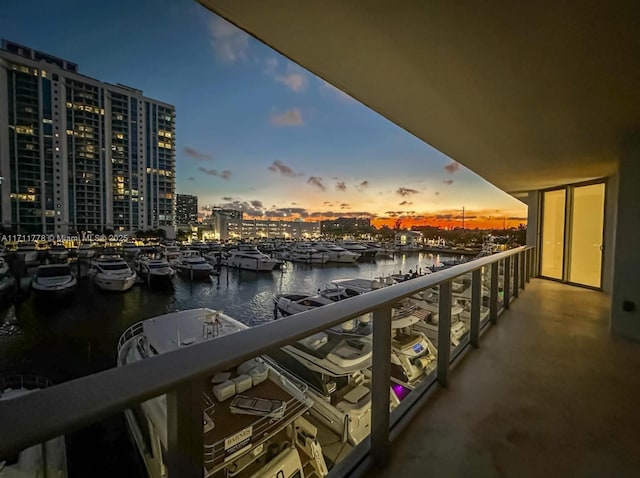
pixel 252 128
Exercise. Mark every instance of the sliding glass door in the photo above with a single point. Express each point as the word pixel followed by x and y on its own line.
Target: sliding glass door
pixel 572 234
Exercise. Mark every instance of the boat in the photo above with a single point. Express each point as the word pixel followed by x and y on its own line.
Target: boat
pixel 57 253
pixel 154 270
pixel 305 253
pixel 130 249
pixel 48 459
pixel 334 364
pixel 289 304
pixel 29 252
pixel 336 253
pixel 247 256
pixel 413 355
pixel 111 272
pixel 192 265
pixel 54 280
pixel 170 253
pixel 366 253
pixel 253 418
pixel 86 250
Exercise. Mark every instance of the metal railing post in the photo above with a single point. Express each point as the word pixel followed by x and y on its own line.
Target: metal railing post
pixel 476 298
pixel 523 270
pixel 185 454
pixel 444 332
pixel 528 270
pixel 493 298
pixel 506 286
pixel 516 275
pixel 380 385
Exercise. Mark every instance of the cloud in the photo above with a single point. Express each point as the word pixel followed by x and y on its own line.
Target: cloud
pixel 256 203
pixel 448 182
pixel 327 203
pixel 295 81
pixel 363 185
pixel 341 186
pixel 405 203
pixel 195 154
pixel 317 182
pixel 227 198
pixel 229 43
pixel 281 168
pixel 293 117
pixel 452 167
pixel 294 203
pixel 334 214
pixel 226 174
pixel 437 193
pixel 406 192
pixel 191 178
pixel 270 65
pixel 345 205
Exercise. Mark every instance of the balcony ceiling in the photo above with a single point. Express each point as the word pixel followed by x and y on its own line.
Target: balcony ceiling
pixel 527 96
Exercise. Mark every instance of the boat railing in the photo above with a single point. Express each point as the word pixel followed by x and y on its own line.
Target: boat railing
pixel 131 332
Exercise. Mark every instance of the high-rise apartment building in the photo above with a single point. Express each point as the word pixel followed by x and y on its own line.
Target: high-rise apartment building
pixel 77 154
pixel 186 209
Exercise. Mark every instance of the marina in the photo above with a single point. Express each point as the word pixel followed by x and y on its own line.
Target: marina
pixel 77 334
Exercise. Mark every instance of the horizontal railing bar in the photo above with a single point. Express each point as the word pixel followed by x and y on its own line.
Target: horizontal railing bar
pixel 44 414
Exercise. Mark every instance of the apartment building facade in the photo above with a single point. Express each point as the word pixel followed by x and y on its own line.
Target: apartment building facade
pixel 80 155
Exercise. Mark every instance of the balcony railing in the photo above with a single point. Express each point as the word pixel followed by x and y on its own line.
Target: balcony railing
pixel 61 409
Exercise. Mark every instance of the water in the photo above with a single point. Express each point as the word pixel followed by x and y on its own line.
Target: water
pixel 63 341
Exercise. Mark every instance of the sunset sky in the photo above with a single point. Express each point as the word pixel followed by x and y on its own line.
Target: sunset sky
pixel 254 130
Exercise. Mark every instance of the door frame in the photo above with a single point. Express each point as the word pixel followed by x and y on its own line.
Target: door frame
pixel 568 222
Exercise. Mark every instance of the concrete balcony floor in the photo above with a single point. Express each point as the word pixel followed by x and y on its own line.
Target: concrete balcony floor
pixel 548 393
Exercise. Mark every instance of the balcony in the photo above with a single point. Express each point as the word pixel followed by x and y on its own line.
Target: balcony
pixel 548 393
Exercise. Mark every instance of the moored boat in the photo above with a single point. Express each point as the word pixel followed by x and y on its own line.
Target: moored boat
pixel 254 404
pixel 54 280
pixel 111 272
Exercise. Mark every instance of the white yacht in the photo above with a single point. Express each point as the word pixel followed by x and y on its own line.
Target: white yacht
pixel 29 252
pixel 305 253
pixel 111 272
pixel 192 265
pixel 171 253
pixel 365 252
pixel 335 366
pixel 253 414
pixel 48 459
pixel 154 270
pixel 336 253
pixel 54 279
pixel 247 256
pixel 58 253
pixel 289 304
pixel 86 250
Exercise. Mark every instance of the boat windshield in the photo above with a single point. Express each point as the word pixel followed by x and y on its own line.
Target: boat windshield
pixel 114 267
pixel 157 266
pixel 54 271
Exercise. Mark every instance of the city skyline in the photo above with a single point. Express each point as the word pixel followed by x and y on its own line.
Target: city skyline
pixel 255 131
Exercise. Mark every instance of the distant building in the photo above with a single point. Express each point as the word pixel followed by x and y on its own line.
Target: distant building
pixel 186 209
pixel 344 224
pixel 78 154
pixel 226 227
pixel 408 240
